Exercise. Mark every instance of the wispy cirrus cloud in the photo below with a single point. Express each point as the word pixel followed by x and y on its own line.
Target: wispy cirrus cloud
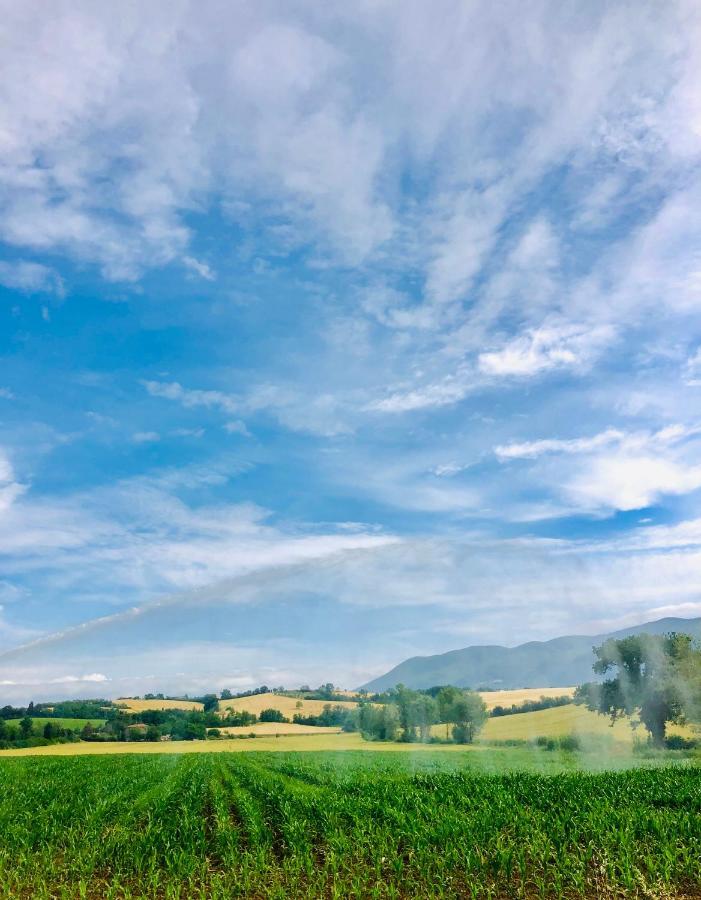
pixel 630 441
pixel 533 449
pixel 171 390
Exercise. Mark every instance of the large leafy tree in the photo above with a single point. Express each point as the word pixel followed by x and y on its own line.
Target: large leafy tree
pixel 446 699
pixel 656 677
pixel 465 710
pixel 417 713
pixel 470 714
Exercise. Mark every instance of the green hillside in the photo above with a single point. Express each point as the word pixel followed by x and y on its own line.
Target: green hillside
pixel 39 722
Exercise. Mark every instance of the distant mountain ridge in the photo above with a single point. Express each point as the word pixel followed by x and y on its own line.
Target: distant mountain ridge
pixel 554 663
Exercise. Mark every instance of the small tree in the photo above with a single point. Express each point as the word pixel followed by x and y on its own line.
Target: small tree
pixel 226 694
pixel 26 728
pixel 50 731
pixel 210 702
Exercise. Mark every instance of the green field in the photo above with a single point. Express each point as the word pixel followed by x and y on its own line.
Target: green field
pixel 341 825
pixel 39 722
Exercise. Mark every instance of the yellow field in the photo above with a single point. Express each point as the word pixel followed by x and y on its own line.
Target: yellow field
pixel 281 728
pixel 142 705
pixel 288 706
pixel 559 721
pixel 292 743
pixel 508 698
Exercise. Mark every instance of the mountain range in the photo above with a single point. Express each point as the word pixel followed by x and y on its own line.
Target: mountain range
pixel 558 662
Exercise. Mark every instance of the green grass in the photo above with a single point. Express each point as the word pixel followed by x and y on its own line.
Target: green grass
pixel 39 722
pixel 380 825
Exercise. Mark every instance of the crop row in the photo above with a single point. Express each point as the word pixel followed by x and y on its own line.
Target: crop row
pixel 283 826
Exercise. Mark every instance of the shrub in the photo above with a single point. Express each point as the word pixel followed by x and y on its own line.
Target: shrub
pixel 677 742
pixel 570 742
pixel 271 715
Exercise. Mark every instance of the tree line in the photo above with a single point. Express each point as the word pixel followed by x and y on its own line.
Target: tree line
pixel 530 706
pixel 407 715
pixel 64 709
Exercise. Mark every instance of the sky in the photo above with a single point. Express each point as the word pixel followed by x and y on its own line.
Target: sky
pixel 335 334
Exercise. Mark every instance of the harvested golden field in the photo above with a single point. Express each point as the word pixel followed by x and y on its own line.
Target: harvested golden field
pixel 143 705
pixel 293 742
pixel 288 706
pixel 559 721
pixel 522 695
pixel 274 728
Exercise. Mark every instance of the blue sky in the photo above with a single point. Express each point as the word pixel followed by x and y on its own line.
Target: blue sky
pixel 333 335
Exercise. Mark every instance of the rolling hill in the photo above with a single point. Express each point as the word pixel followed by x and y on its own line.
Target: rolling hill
pixel 561 661
pixel 287 705
pixel 132 705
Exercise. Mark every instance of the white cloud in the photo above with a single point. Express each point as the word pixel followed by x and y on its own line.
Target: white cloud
pixel 548 347
pixel 320 114
pixel 613 469
pixel 92 678
pixel 199 268
pixel 31 278
pixel 626 481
